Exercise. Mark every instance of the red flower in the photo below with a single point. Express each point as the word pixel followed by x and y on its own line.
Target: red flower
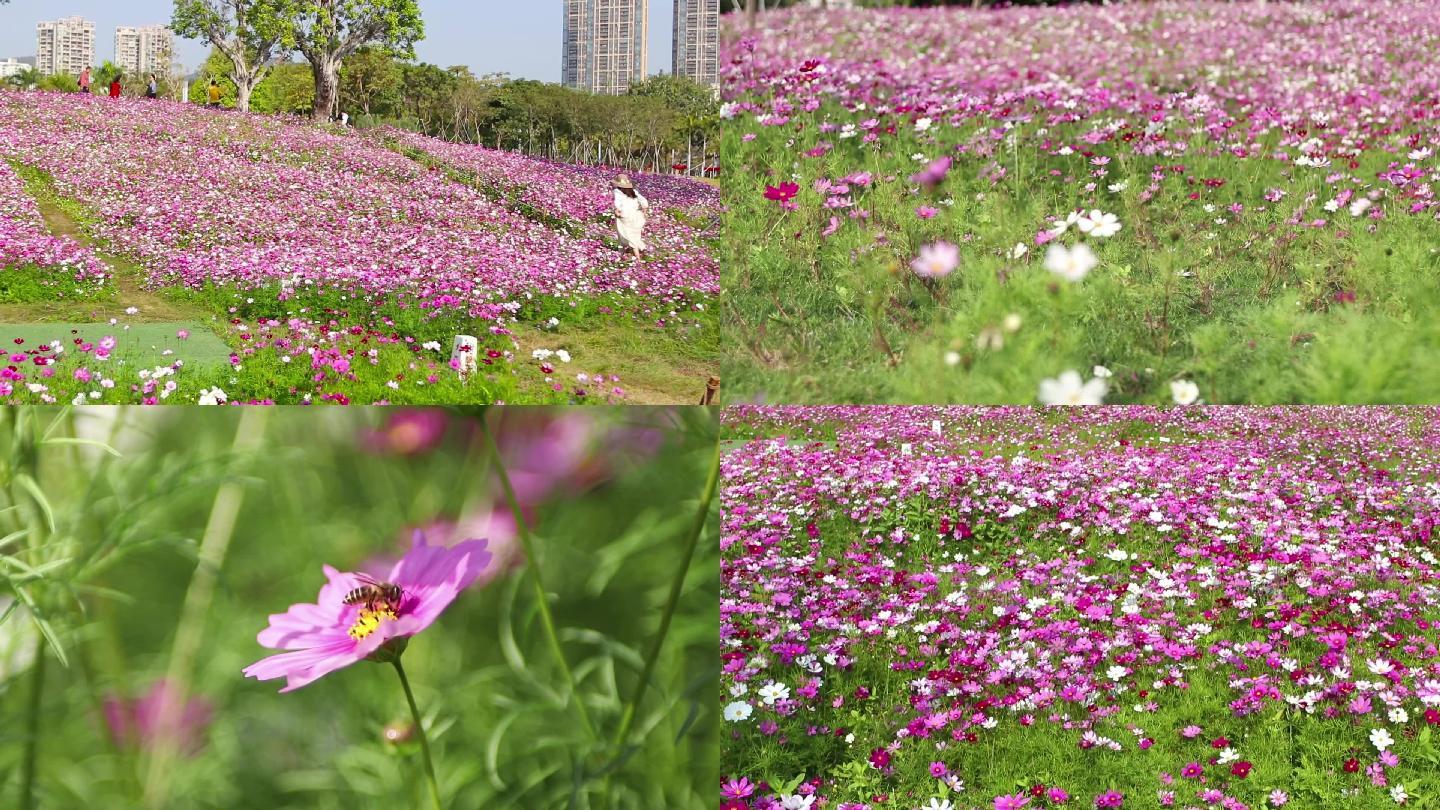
pixel 1240 769
pixel 880 758
pixel 1352 765
pixel 1432 717
pixel 1220 742
pixel 784 192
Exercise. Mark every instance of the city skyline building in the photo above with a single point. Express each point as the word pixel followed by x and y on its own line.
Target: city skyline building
pixel 64 46
pixel 695 49
pixel 604 46
pixel 144 49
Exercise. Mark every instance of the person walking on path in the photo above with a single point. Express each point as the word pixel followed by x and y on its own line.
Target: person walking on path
pixel 630 209
pixel 115 87
pixel 152 88
pixel 85 80
pixel 214 94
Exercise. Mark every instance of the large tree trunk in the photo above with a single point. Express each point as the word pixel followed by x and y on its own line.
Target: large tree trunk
pixel 751 9
pixel 327 89
pixel 243 89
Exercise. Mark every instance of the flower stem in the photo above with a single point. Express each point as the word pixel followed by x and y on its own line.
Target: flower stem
pixel 190 630
pixel 707 495
pixel 32 727
pixel 420 730
pixel 532 564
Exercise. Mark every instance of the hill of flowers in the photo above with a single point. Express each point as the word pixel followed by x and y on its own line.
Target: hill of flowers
pixel 1135 183
pixel 26 243
pixel 1120 607
pixel 329 244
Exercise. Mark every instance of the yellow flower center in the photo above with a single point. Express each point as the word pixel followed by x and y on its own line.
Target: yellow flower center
pixel 368 621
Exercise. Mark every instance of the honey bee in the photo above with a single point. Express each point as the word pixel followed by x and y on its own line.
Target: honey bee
pixel 375 595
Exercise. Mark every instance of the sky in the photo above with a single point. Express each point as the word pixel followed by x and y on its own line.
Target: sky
pixel 490 36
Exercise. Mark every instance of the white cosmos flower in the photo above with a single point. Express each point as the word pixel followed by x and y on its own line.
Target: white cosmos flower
pixel 1379 666
pixel 1070 264
pixel 1069 389
pixel 1381 739
pixel 1102 372
pixel 213 396
pixel 1019 250
pixel 923 124
pixel 1227 756
pixel 796 802
pixel 1184 392
pixel 1398 794
pixel 1117 554
pixel 738 711
pixel 1098 223
pixel 1420 154
pixel 1116 672
pixel 938 804
pixel 772 692
pixel 1360 206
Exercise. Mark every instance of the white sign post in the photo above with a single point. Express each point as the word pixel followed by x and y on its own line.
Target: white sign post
pixel 463 355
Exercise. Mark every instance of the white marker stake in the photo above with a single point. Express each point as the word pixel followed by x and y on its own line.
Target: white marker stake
pixel 935 426
pixel 463 354
pixel 906 450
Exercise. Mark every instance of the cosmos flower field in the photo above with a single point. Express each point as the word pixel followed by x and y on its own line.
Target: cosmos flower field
pixel 956 205
pixel 1104 607
pixel 335 265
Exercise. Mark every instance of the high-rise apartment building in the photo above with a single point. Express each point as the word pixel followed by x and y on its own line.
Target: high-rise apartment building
pixel 144 49
pixel 64 46
pixel 695 51
pixel 604 44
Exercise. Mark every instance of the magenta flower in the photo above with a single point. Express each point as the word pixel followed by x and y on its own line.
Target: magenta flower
pixel 1015 802
pixel 329 634
pixel 143 723
pixel 408 432
pixel 1110 798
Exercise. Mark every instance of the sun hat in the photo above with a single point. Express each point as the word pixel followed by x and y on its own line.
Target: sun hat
pixel 623 181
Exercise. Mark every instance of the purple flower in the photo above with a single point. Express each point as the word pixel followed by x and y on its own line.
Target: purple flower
pixel 162 714
pixel 327 635
pixel 933 173
pixel 408 432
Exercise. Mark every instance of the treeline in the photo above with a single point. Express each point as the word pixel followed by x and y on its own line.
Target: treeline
pixel 664 124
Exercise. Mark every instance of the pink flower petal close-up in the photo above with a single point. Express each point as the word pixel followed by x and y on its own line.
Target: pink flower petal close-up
pixel 327 635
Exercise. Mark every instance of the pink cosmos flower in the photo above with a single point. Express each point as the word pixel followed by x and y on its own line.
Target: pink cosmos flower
pixel 327 635
pixel 407 432
pixel 1110 798
pixel 783 192
pixel 1015 802
pixel 936 260
pixel 139 722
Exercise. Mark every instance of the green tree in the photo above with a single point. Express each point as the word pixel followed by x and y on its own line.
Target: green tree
pixel 252 34
pixel 370 82
pixel 288 89
pixel 107 73
pixel 217 66
pixel 25 79
pixel 60 82
pixel 328 31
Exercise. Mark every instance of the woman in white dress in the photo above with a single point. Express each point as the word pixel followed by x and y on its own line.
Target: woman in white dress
pixel 630 209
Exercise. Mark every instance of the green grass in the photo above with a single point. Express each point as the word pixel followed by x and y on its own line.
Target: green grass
pixel 142 344
pixel 1253 311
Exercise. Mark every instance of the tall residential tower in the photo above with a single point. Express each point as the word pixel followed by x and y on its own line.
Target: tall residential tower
pixel 604 44
pixel 696 48
pixel 146 49
pixel 64 46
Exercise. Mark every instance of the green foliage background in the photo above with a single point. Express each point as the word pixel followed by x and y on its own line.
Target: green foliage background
pixel 123 552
